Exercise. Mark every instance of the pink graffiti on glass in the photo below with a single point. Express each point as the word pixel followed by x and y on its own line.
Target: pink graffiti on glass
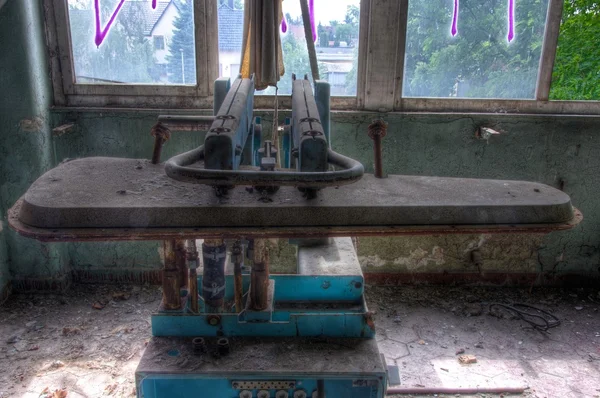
pixel 454 29
pixel 511 20
pixel 101 33
pixel 311 12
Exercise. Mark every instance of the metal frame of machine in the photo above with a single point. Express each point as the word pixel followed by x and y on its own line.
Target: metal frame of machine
pixel 236 309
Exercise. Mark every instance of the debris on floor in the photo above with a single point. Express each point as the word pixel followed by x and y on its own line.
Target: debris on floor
pixel 467 359
pixel 55 344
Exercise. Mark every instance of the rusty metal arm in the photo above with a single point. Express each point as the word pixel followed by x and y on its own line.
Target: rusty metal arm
pixel 177 168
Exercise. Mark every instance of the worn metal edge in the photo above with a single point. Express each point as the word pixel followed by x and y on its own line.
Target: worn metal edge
pixel 140 234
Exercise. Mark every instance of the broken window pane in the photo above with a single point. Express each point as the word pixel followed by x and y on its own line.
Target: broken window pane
pixel 473 48
pixel 142 45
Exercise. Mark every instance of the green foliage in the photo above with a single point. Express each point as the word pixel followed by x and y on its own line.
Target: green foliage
pixel 181 47
pixel 577 67
pixel 479 62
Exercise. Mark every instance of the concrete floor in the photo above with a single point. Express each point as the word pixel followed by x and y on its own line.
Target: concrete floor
pixel 51 345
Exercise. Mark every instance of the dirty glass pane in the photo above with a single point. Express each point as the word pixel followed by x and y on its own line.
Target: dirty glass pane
pixel 473 48
pixel 336 43
pixel 231 32
pixel 576 73
pixel 145 43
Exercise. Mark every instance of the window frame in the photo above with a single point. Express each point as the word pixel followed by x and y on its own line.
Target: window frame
pixel 69 93
pixel 380 70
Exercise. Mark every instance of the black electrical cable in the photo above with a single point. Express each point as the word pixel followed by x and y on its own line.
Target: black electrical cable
pixel 548 320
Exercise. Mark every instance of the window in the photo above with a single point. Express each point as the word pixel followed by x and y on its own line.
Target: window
pixel 336 45
pixel 231 32
pixel 159 43
pixel 125 51
pixel 577 67
pixel 132 53
pixel 405 55
pixel 463 49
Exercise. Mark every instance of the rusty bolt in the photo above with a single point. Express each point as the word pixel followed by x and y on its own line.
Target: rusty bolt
pixel 377 130
pixel 161 135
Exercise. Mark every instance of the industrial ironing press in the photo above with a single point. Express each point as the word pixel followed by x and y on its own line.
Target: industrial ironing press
pixel 236 331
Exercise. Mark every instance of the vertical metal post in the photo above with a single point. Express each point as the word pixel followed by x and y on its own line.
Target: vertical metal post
pixel 259 277
pixel 320 388
pixel 221 88
pixel 553 18
pixel 238 287
pixel 378 130
pixel 161 135
pixel 286 143
pixel 170 277
pixel 310 43
pixel 192 260
pixel 322 98
pixel 181 261
pixel 214 253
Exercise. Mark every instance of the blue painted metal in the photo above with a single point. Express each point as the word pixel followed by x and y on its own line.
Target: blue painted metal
pixel 347 288
pixel 322 98
pixel 221 88
pixel 286 143
pixel 224 142
pixel 318 324
pixel 256 141
pixel 165 385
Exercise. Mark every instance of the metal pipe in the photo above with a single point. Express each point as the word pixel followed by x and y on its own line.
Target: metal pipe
pixel 186 123
pixel 238 287
pixel 192 259
pixel 214 253
pixel 259 278
pixel 320 388
pixel 170 277
pixel 450 390
pixel 310 43
pixel 377 130
pixel 161 135
pixel 181 262
pixel 176 168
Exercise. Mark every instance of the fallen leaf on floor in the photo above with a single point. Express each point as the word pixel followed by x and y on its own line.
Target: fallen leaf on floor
pixel 62 393
pixel 98 305
pixel 467 359
pixel 120 296
pixel 122 329
pixel 68 331
pixel 422 342
pixel 110 389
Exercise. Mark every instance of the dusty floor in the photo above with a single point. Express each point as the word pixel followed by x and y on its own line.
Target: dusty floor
pixel 51 345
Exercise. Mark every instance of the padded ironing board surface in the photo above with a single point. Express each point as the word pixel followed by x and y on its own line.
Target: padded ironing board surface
pixel 102 192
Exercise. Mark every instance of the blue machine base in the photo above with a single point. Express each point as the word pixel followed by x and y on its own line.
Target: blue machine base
pixel 349 368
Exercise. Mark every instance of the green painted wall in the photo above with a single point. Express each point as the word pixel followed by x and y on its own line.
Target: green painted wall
pixel 24 132
pixel 548 149
pixel 556 150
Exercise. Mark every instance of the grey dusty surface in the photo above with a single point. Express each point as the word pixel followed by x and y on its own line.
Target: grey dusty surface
pixel 112 192
pixel 52 342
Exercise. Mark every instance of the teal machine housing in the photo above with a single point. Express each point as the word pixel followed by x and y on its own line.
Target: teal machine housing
pixel 322 305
